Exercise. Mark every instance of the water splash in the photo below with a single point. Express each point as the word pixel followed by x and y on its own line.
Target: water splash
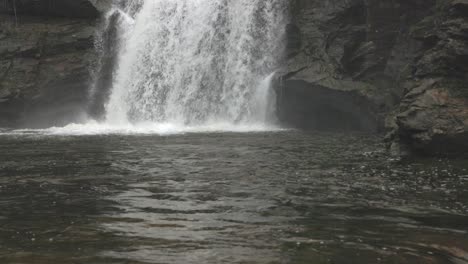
pixel 265 97
pixel 146 128
pixel 196 62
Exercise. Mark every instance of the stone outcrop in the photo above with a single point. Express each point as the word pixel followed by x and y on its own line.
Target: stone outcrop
pixel 45 54
pixel 433 114
pixel 358 51
pixel 376 65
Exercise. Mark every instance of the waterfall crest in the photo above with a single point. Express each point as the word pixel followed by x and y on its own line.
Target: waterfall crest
pixel 196 62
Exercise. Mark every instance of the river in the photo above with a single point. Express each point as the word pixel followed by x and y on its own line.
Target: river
pixel 258 197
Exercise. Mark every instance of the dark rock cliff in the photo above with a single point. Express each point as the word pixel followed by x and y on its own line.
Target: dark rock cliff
pixel 433 114
pixel 45 54
pixel 379 65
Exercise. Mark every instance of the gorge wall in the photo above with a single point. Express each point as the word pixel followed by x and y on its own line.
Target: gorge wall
pixel 380 65
pixel 394 66
pixel 45 55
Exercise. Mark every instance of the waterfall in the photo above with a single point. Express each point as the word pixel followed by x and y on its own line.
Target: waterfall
pixel 196 62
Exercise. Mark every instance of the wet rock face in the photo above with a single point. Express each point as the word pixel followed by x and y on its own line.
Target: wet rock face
pixel 52 8
pixel 433 114
pixel 44 66
pixel 360 48
pixel 433 119
pixel 379 64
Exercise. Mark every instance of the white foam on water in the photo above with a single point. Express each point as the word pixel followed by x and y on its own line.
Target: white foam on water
pixel 163 129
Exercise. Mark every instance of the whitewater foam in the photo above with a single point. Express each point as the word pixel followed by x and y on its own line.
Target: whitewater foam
pixel 162 129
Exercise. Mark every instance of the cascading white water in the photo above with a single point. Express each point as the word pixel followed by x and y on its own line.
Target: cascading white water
pixel 196 62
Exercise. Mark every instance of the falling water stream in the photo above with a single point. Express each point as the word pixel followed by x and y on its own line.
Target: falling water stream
pixel 196 62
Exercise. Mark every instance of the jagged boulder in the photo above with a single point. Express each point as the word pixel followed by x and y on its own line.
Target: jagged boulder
pixel 433 115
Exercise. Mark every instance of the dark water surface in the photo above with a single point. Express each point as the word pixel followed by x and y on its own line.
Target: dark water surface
pixel 284 197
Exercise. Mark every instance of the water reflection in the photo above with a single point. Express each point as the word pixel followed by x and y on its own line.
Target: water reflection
pixel 194 222
pixel 280 197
